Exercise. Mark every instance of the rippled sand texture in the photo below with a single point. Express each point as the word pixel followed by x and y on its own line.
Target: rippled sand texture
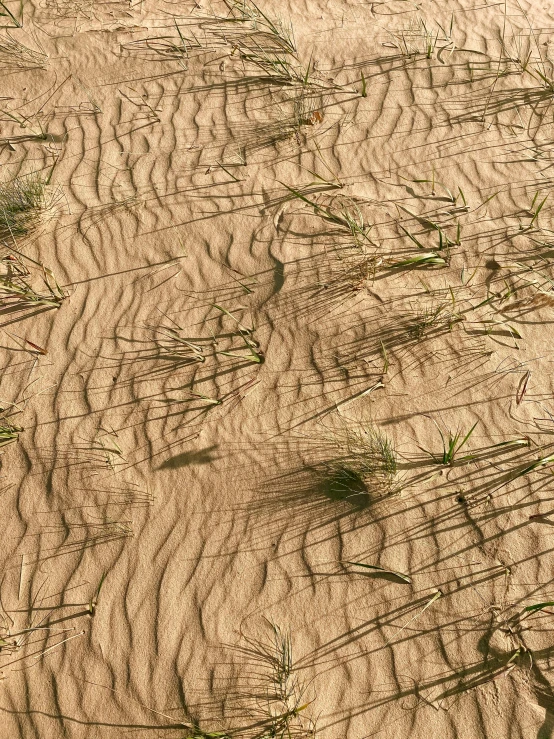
pixel 259 270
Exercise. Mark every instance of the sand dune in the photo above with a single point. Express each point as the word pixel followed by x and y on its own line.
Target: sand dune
pixel 293 253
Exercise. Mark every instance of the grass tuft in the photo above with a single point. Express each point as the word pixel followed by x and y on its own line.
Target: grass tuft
pixel 452 443
pixel 8 432
pixel 22 202
pixel 367 466
pixel 17 292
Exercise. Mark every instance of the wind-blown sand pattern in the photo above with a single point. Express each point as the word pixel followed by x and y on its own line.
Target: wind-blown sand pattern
pixel 276 377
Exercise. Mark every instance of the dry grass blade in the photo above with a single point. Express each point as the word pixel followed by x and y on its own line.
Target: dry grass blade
pixel 93 603
pixel 429 603
pixel 172 344
pixel 5 12
pixel 17 56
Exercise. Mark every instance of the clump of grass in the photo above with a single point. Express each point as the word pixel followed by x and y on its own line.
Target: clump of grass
pixel 281 34
pixel 294 113
pixel 251 35
pixel 17 292
pixel 9 433
pixel 22 201
pixel 281 712
pixel 419 39
pixel 172 345
pixel 367 466
pixel 353 250
pixel 523 49
pixel 340 211
pixel 432 319
pixel 265 46
pixel 275 699
pixel 252 346
pixel 452 443
pixel 254 37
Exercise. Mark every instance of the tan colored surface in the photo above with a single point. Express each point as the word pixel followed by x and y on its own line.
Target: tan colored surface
pixel 211 520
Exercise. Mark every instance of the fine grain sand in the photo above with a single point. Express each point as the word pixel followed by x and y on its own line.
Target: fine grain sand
pixel 275 276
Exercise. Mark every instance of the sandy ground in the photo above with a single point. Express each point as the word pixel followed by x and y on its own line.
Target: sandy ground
pixel 262 273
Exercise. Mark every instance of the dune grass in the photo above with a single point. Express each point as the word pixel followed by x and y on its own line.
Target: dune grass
pixel 452 443
pixel 418 38
pixel 172 345
pixel 283 712
pixel 16 56
pixel 5 12
pixel 17 291
pixel 22 202
pixel 9 433
pixel 255 38
pixel 365 468
pixel 432 319
pixel 340 211
pixel 273 701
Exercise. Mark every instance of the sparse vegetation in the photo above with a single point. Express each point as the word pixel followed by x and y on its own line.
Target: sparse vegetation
pixel 8 432
pixel 15 55
pixel 452 443
pixel 419 38
pixel 366 465
pixel 22 202
pixel 16 290
pixel 295 270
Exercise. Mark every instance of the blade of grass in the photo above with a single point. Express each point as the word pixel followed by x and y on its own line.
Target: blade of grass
pixel 402 577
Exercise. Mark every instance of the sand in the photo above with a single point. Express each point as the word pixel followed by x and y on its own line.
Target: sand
pixel 227 338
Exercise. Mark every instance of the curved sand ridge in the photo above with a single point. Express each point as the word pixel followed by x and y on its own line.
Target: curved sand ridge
pixel 190 408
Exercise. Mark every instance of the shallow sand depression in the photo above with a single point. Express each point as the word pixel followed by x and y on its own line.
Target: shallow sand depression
pixel 277 415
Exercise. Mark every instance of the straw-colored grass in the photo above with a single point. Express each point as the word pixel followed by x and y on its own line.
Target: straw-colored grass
pixel 18 293
pixel 16 56
pixel 22 202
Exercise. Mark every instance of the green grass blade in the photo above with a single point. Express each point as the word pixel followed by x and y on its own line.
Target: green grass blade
pixel 539 606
